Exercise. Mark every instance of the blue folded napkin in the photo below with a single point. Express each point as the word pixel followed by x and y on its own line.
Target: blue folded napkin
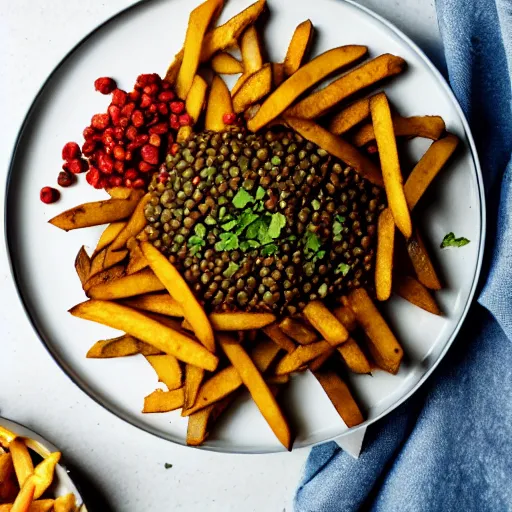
pixel 449 447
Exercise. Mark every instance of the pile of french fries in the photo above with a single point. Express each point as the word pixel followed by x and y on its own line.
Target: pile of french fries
pixel 204 359
pixel 25 487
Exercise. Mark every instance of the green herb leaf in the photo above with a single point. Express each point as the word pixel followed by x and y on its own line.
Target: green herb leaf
pixel 260 193
pixel 246 219
pixel 311 242
pixel 227 242
pixel 277 223
pixel 167 465
pixel 254 229
pixel 231 270
pixel 242 199
pixel 195 240
pixel 319 255
pixel 340 219
pixel 210 221
pixel 228 226
pixel 194 250
pixel 269 249
pixel 315 204
pixel 342 268
pixel 450 241
pixel 249 244
pixel 200 230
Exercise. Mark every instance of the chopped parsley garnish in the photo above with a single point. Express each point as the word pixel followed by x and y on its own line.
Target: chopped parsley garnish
pixel 195 243
pixel 167 465
pixel 269 249
pixel 319 255
pixel 260 193
pixel 450 241
pixel 311 242
pixel 245 245
pixel 200 230
pixel 277 222
pixel 231 270
pixel 228 242
pixel 228 226
pixel 246 219
pixel 242 199
pixel 343 269
pixel 337 228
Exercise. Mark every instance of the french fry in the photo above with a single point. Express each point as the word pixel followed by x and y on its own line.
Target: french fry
pixel 341 397
pixel 300 356
pixel 198 23
pixel 331 329
pixel 353 357
pixel 346 316
pixel 371 72
pixel 109 235
pixel 219 103
pixel 196 97
pixel 256 87
pixel 225 64
pixel 384 256
pixel 113 257
pixel 298 331
pixel 193 378
pixel 146 329
pixel 277 379
pixel 21 460
pixel 65 503
pixel 124 286
pixel 350 116
pixel 122 346
pixel 163 401
pixel 180 291
pixel 8 482
pixel 428 127
pixel 240 321
pixel 134 226
pixel 137 260
pixel 428 168
pixel 105 277
pixel 6 437
pixel 43 473
pixel 94 214
pixel 250 48
pixel 318 362
pixel 24 499
pixel 275 333
pixel 167 369
pixel 384 347
pixel 161 303
pixel 298 47
pixel 119 192
pixel 338 147
pixel 278 76
pixel 36 506
pixel 97 263
pixel 83 265
pixel 413 291
pixel 258 389
pixel 306 77
pixel 390 164
pixel 422 263
pixel 228 380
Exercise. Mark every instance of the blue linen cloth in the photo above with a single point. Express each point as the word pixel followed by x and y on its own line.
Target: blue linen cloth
pixel 449 447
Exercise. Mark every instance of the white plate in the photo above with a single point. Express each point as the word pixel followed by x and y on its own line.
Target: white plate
pixel 143 39
pixel 62 483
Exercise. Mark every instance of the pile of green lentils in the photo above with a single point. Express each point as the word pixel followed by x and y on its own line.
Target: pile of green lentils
pixel 263 222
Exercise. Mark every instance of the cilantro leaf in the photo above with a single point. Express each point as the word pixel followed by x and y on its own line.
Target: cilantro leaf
pixel 263 233
pixel 311 242
pixel 200 230
pixel 228 226
pixel 231 270
pixel 227 242
pixel 342 268
pixel 242 199
pixel 277 222
pixel 246 219
pixel 249 244
pixel 340 219
pixel 450 241
pixel 260 193
pixel 195 240
pixel 319 255
pixel 269 249
pixel 254 229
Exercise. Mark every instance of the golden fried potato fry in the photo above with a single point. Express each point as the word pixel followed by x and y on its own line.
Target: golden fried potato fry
pixel 353 357
pixel 24 499
pixel 384 347
pixel 83 265
pixel 371 72
pixel 278 76
pixel 350 116
pixel 422 263
pixel 428 168
pixel 428 127
pixel 298 331
pixel 21 460
pixel 196 97
pixel 105 277
pixel 109 235
pixel 341 397
pixel 198 23
pixel 6 437
pixel 384 256
pixel 113 257
pixel 125 286
pixel 66 503
pixel 146 329
pixel 275 333
pixel 250 48
pixel 240 321
pixel 36 506
pixel 390 164
pixel 161 303
pixel 8 483
pixel 164 401
pixel 258 389
pixel 225 64
pixel 193 378
pixel 94 214
pixel 338 147
pixel 306 77
pixel 300 356
pixel 346 316
pixel 256 87
pixel 219 103
pixel 331 329
pixel 167 369
pixel 121 346
pixel 298 47
pixel 119 192
pixel 137 261
pixel 413 291
pixel 277 379
pixel 134 226
pixel 180 291
pixel 318 362
pixel 43 473
pixel 97 263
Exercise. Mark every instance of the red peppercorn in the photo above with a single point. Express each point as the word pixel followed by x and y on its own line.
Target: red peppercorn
pixel 229 118
pixel 119 153
pixel 159 128
pixel 173 122
pixel 88 147
pixel 177 107
pixel 147 79
pixel 149 154
pixel 105 85
pixel 166 96
pixel 131 174
pixel 153 108
pixel 137 118
pixel 119 133
pixel 49 195
pixel 174 149
pixel 145 167
pixel 138 183
pixel 89 132
pixel 119 166
pixel 119 97
pixel 100 121
pixel 105 164
pixel 165 85
pixel 154 140
pixel 128 155
pixel 128 109
pixel 145 101
pixel 75 166
pixel 134 95
pixel 163 109
pixel 66 179
pixel 131 132
pixel 71 150
pixel 163 176
pixel 115 181
pixel 185 120
pixel 93 176
pixel 115 114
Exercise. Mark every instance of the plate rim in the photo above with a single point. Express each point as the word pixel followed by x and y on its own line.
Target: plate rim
pixel 67 370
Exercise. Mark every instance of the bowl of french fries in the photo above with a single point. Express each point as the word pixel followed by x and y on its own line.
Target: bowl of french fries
pixel 216 342
pixel 32 477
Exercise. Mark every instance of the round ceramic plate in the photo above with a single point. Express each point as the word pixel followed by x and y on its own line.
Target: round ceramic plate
pixel 62 483
pixel 144 39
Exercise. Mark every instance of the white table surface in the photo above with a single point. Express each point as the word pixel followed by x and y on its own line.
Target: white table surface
pixel 124 465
